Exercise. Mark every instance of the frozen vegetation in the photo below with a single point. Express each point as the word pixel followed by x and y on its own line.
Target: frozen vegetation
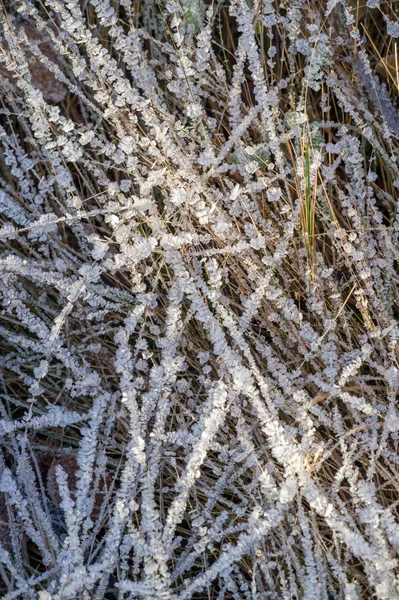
pixel 199 300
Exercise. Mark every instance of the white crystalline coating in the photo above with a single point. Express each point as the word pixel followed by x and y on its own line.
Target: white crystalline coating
pixel 392 28
pixel 198 301
pixel 44 595
pixel 303 46
pixel 125 185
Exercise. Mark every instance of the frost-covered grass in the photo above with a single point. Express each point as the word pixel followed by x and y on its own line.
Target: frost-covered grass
pixel 199 300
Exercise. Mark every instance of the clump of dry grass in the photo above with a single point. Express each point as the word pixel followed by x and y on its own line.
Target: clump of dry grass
pixel 199 300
